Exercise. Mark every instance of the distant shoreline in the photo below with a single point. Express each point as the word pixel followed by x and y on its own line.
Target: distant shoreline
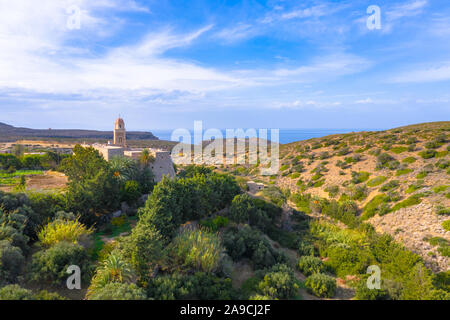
pixel 286 135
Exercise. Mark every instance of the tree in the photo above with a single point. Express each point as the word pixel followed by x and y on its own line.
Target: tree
pixel 146 158
pixel 93 190
pixel 18 150
pixel 241 208
pixel 113 269
pixel 143 249
pixel 11 262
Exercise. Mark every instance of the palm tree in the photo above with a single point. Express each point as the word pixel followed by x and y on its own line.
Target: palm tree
pixel 146 158
pixel 113 269
pixel 124 169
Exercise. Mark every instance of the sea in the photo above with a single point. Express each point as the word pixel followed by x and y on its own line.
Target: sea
pixel 286 135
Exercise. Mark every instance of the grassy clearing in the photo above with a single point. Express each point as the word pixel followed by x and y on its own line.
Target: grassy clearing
pixel 12 178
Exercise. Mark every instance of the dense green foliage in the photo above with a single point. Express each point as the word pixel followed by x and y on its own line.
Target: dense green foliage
pixel 247 242
pixel 321 285
pixel 51 264
pixel 309 265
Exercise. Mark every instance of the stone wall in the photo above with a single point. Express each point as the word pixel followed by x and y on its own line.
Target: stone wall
pixel 162 165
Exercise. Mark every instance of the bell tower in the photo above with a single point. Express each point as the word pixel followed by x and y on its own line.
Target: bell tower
pixel 120 138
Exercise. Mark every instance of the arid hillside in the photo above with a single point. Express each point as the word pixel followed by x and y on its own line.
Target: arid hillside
pixel 399 179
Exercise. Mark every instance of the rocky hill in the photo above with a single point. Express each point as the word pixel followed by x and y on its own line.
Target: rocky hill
pixel 399 178
pixel 11 133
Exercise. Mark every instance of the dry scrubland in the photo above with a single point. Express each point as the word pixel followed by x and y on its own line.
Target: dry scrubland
pixel 399 178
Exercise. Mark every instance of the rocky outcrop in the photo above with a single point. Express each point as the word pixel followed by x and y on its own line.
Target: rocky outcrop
pixel 412 226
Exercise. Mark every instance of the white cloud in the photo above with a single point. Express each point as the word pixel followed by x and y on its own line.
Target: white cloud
pixel 364 101
pixel 437 73
pixel 315 11
pixel 330 66
pixel 408 9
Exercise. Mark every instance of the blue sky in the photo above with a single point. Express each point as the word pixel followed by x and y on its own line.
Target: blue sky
pixel 273 64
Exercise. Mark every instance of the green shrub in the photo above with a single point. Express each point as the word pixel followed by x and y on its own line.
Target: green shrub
pixel 200 286
pixel 440 188
pixel 385 160
pixel 399 150
pixel 421 174
pixel 359 177
pixel 376 181
pixel 247 242
pixel 403 172
pixel 409 160
pixel 130 192
pixel 411 201
pixel 375 206
pixel 427 154
pixel 321 285
pixel 15 292
pixel 442 154
pixel 391 185
pixel 333 191
pixel 215 224
pixel 119 291
pixel 346 260
pixel 306 249
pixel 51 264
pixel 442 211
pixel 362 292
pixel 196 250
pixel 11 262
pixel 48 296
pixel 446 225
pixel 413 187
pixel 295 175
pixel 63 230
pixel 309 265
pixel 280 283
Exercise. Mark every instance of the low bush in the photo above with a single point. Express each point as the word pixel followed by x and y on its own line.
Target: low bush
pixel 11 262
pixel 359 177
pixel 376 181
pixel 15 292
pixel 411 201
pixel 247 242
pixel 197 250
pixel 279 283
pixel 215 224
pixel 119 291
pixel 427 154
pixel 402 172
pixel 398 150
pixel 362 292
pixel 63 230
pixel 409 160
pixel 51 264
pixel 321 285
pixel 391 185
pixel 309 265
pixel 446 225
